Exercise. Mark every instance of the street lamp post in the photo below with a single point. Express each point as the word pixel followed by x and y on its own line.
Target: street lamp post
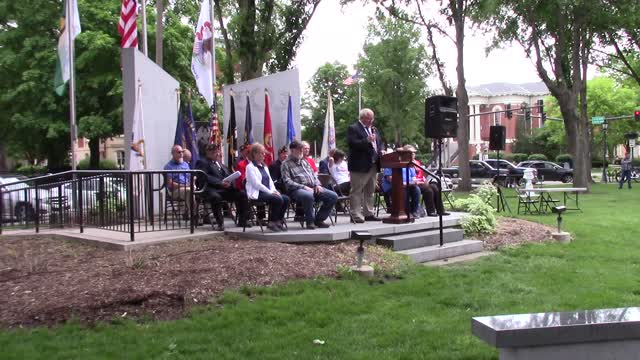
pixel 604 155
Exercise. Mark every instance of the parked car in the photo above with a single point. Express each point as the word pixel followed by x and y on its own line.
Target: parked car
pixel 548 171
pixel 112 189
pixel 479 170
pixel 515 172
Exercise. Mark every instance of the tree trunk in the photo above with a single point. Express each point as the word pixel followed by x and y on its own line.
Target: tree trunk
pixel 457 7
pixel 94 149
pixel 159 30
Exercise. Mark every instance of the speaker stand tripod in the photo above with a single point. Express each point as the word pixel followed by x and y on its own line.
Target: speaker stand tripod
pixel 502 204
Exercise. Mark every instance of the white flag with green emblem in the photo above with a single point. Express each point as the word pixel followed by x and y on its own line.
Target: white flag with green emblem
pixel 63 65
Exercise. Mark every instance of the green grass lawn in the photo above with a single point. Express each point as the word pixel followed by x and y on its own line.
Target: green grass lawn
pixel 425 315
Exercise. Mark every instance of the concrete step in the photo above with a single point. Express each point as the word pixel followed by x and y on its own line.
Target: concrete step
pixel 420 239
pixel 448 250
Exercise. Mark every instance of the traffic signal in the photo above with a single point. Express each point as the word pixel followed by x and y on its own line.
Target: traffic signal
pixel 636 115
pixel 527 114
pixel 509 112
pixel 543 115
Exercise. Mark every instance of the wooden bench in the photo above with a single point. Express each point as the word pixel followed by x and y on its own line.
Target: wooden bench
pixel 584 334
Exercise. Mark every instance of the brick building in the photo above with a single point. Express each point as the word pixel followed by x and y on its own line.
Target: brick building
pixel 495 97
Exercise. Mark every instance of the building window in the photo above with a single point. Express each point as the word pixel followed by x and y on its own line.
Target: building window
pixel 120 158
pixel 497 117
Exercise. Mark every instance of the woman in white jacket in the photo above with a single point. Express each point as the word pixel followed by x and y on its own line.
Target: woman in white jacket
pixel 260 186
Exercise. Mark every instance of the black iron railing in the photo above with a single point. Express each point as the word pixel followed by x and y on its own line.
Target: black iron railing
pixel 123 201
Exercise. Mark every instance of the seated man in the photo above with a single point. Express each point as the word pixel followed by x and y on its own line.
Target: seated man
pixel 241 165
pixel 429 190
pixel 304 187
pixel 274 168
pixel 412 190
pixel 179 183
pixel 218 190
pixel 339 171
pixel 323 167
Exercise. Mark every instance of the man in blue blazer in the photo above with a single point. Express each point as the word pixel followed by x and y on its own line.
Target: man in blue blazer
pixel 365 147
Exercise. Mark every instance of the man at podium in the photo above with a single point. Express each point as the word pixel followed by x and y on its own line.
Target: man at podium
pixel 365 146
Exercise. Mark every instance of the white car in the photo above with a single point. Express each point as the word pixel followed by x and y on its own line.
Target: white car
pixel 112 190
pixel 19 199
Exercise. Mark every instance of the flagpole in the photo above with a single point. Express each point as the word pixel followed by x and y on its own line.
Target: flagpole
pixel 145 47
pixel 72 86
pixel 359 96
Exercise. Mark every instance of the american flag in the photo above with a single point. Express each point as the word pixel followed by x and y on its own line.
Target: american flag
pixel 127 24
pixel 215 137
pixel 352 79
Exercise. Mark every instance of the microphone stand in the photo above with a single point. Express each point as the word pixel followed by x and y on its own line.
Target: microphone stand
pixel 439 183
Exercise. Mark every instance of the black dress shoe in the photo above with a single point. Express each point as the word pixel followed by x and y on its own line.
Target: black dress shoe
pixel 218 227
pixel 311 226
pixel 372 218
pixel 321 224
pixel 432 214
pixel 444 213
pixel 358 220
pixel 244 225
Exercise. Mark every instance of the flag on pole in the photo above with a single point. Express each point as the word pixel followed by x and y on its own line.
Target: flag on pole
pixel 191 138
pixel 202 58
pixel 248 125
pixel 352 79
pixel 291 130
pixel 137 152
pixel 215 137
pixel 268 134
pixel 232 135
pixel 329 136
pixel 63 64
pixel 127 26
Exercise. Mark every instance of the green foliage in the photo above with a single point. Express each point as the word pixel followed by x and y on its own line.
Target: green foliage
pixel 537 157
pixel 105 164
pixel 563 158
pixel 516 157
pixel 481 218
pixel 31 170
pixel 395 65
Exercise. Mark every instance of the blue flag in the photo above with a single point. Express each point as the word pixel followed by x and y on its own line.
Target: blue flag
pixel 186 134
pixel 291 130
pixel 192 139
pixel 248 126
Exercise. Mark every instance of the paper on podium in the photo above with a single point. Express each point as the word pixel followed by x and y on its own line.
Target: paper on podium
pixel 232 177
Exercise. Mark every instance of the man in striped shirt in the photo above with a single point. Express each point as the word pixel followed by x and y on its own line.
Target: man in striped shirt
pixel 304 187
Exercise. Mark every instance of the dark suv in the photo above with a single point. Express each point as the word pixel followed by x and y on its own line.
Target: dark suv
pixel 515 172
pixel 479 170
pixel 548 171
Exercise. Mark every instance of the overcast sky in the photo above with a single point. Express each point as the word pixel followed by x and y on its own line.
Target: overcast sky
pixel 337 34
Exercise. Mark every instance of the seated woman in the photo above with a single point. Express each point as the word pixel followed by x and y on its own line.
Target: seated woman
pixel 413 192
pixel 340 172
pixel 429 190
pixel 260 186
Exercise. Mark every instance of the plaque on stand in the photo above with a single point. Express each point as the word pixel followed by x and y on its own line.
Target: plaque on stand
pixel 396 161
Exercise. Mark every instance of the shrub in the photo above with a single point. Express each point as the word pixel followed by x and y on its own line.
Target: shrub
pixel 481 218
pixel 635 162
pixel 596 163
pixel 31 170
pixel 537 157
pixel 104 164
pixel 516 157
pixel 563 158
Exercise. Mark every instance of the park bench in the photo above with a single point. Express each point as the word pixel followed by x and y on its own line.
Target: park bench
pixel 586 334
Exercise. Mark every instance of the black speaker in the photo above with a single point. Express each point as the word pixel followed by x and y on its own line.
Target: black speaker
pixel 497 137
pixel 441 117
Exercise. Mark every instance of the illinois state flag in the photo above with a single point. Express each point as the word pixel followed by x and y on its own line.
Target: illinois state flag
pixel 268 134
pixel 70 21
pixel 203 54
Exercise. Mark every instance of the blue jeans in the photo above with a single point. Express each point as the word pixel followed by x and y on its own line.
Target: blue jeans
pixel 625 176
pixel 278 205
pixel 307 199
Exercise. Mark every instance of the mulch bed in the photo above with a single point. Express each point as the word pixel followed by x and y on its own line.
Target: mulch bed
pixel 47 282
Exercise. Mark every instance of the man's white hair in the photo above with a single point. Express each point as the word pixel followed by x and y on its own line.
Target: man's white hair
pixel 365 112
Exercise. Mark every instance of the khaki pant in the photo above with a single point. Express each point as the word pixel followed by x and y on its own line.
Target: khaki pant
pixel 184 194
pixel 363 185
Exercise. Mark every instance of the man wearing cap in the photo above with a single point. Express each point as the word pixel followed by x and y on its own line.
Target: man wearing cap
pixel 365 146
pixel 304 187
pixel 218 190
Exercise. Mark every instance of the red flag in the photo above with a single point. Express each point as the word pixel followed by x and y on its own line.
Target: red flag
pixel 127 24
pixel 268 135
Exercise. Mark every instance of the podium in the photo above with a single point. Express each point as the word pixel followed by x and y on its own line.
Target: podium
pixel 396 161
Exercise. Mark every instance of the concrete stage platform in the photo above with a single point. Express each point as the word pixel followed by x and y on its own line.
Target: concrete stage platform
pixel 340 231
